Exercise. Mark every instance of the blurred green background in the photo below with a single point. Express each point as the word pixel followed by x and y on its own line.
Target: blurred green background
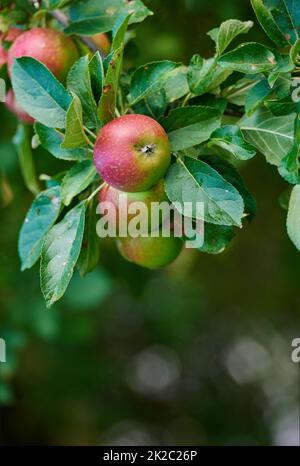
pixel 196 354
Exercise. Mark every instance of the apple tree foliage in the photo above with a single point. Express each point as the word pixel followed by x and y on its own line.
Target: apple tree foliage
pixel 218 112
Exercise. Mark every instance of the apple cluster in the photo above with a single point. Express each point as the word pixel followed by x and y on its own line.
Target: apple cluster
pixel 51 47
pixel 132 155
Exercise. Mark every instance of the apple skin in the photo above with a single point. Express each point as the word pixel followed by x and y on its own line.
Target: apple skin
pixel 16 109
pixel 51 47
pixel 102 41
pixel 155 194
pixel 10 36
pixel 3 56
pixel 150 252
pixel 132 153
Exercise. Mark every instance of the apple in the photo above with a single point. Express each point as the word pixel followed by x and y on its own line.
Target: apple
pixel 150 252
pixel 102 41
pixel 16 109
pixel 156 194
pixel 53 48
pixel 132 153
pixel 3 56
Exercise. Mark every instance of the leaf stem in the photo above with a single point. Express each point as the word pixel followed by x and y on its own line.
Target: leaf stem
pixel 93 135
pixel 94 193
pixel 186 99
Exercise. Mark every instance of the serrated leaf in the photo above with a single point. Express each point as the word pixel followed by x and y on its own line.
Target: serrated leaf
pixel 195 181
pixel 79 83
pixel 97 75
pixel 230 139
pixel 264 15
pixel 205 75
pixel 289 165
pixel 190 126
pixel 39 93
pixel 293 218
pixel 61 249
pixel 107 104
pixel 177 85
pixel 249 58
pixel 280 19
pixel 119 30
pixel 41 216
pixel 74 134
pixel 22 144
pixel 77 180
pixel 92 16
pixel 273 136
pixel 257 95
pixel 216 238
pixel 232 176
pixel 90 252
pixel 227 32
pixel 147 87
pixel 51 140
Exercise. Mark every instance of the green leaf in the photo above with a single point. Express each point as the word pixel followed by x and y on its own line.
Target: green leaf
pixel 177 85
pixel 119 31
pixel 195 181
pixel 107 104
pixel 92 16
pixel 51 140
pixel 74 135
pixel 77 179
pixel 230 139
pixel 271 135
pixel 205 75
pixel 257 95
pixel 147 87
pixel 41 216
pixel 293 218
pixel 295 52
pixel 39 93
pixel 289 165
pixel 280 19
pixel 231 175
pixel 90 252
pixel 190 126
pixel 79 83
pixel 216 238
pixel 22 143
pixel 229 30
pixel 97 75
pixel 249 58
pixel 60 251
pixel 268 23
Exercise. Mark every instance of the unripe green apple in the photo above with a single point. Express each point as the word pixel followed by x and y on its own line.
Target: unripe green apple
pixel 156 194
pixel 132 153
pixel 102 41
pixel 16 109
pixel 150 252
pixel 50 46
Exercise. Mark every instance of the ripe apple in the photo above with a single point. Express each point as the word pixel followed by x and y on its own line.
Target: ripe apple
pixel 3 56
pixel 53 48
pixel 132 153
pixel 16 109
pixel 102 41
pixel 156 194
pixel 150 252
